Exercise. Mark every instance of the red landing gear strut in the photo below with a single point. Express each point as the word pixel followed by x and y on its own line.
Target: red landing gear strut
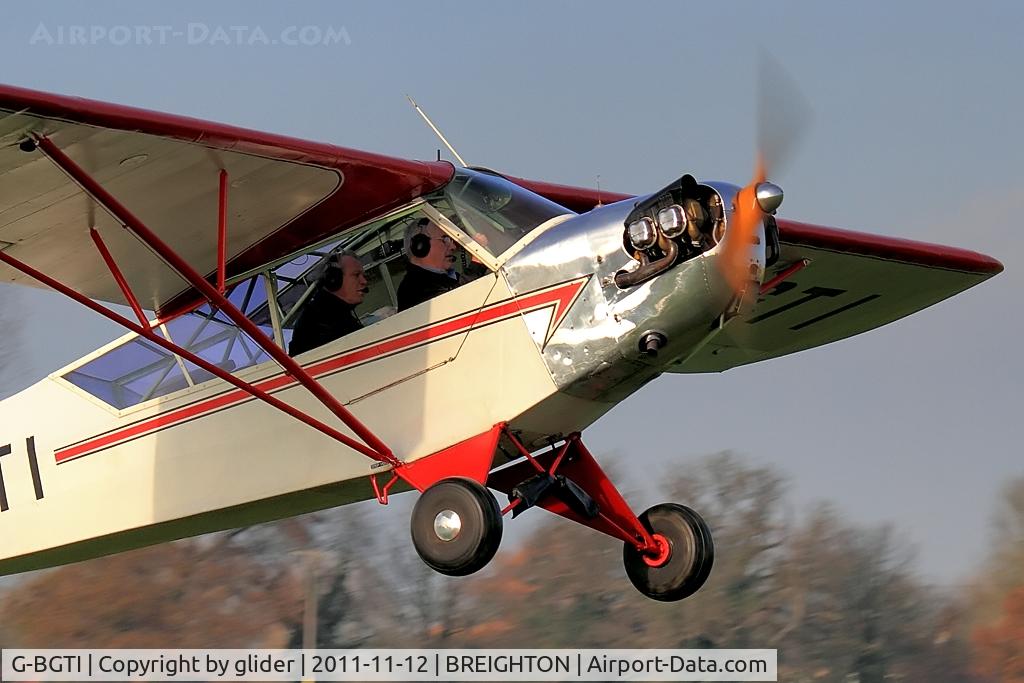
pixel 456 525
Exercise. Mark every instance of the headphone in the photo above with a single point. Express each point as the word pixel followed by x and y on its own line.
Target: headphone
pixel 419 244
pixel 333 276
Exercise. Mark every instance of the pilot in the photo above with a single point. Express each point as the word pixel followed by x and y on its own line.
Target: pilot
pixel 431 270
pixel 331 313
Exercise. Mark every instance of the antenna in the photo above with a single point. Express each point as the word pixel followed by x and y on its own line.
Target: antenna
pixel 434 128
pixel 599 203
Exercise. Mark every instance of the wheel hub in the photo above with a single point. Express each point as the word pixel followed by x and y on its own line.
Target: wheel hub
pixel 447 525
pixel 659 556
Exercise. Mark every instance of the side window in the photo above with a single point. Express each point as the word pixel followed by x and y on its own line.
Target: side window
pixel 138 371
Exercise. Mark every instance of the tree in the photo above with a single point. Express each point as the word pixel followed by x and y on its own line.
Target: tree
pixel 996 600
pixel 859 610
pixel 999 646
pixel 195 593
pixel 743 504
pixel 839 602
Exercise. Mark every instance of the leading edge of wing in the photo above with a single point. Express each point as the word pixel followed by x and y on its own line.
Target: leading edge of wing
pixel 208 133
pixel 582 199
pixel 888 248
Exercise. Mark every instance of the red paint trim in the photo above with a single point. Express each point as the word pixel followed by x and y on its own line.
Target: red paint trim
pixel 579 199
pixel 136 226
pixel 890 248
pixel 374 351
pixel 148 333
pixel 792 232
pixel 502 309
pixel 373 183
pixel 784 275
pixel 471 458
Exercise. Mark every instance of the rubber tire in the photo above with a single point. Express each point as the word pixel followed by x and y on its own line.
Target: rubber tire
pixel 689 565
pixel 479 538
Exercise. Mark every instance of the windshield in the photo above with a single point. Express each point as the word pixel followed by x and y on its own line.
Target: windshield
pixel 495 212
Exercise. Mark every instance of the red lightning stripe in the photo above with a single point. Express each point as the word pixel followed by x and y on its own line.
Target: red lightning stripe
pixel 561 297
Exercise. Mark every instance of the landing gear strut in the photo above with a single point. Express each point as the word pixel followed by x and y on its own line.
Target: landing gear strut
pixel 456 523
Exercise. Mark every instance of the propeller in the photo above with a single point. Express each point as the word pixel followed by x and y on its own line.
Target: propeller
pixel 782 117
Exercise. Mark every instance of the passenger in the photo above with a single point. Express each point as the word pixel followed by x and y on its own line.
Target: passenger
pixel 431 271
pixel 330 314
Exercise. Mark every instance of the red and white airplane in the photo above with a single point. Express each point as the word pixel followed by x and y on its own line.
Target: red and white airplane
pixel 216 237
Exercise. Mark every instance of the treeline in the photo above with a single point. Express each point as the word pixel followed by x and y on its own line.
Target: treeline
pixel 840 602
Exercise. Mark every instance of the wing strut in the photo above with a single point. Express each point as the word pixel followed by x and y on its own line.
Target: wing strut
pixel 373 448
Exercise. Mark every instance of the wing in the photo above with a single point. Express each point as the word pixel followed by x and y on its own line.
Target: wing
pixel 283 194
pixel 854 282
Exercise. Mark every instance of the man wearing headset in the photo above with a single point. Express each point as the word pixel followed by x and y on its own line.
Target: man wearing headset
pixel 330 314
pixel 431 272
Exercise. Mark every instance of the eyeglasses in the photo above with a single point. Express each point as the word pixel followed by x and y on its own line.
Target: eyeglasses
pixel 447 239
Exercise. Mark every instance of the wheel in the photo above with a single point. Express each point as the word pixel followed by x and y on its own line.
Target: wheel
pixel 686 558
pixel 456 526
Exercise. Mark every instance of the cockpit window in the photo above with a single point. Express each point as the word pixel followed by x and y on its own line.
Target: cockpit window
pixel 495 212
pixel 136 371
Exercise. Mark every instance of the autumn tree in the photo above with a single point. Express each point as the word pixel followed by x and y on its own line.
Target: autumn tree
pixel 194 593
pixel 999 646
pixel 377 590
pixel 840 602
pixel 996 600
pixel 857 609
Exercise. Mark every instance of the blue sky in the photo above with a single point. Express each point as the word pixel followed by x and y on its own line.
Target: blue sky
pixel 913 133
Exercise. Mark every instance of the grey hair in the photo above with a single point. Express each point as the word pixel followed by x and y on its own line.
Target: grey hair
pixel 335 258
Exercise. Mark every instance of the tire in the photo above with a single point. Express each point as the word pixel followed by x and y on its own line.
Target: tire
pixel 691 555
pixel 478 536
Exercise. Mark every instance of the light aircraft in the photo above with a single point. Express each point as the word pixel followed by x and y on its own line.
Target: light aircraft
pixel 212 239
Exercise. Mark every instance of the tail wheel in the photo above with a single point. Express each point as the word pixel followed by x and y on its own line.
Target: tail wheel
pixel 456 526
pixel 684 558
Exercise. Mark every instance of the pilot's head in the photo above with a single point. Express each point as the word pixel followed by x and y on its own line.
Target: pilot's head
pixel 345 278
pixel 428 246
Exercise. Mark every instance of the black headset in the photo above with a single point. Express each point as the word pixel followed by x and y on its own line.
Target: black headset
pixel 419 244
pixel 333 276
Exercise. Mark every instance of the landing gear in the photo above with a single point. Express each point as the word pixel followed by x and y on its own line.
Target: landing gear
pixel 456 526
pixel 684 554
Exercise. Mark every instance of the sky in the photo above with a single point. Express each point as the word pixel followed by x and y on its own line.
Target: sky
pixel 913 133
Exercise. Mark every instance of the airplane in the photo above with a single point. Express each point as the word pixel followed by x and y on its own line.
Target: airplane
pixel 206 242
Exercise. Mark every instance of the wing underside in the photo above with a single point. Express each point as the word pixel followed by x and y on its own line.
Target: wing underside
pixel 282 194
pixel 852 283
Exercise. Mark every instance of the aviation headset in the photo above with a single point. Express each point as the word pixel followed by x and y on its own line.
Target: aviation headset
pixel 333 276
pixel 419 242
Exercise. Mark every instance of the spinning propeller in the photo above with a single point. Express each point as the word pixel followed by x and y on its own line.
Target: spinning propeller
pixel 782 116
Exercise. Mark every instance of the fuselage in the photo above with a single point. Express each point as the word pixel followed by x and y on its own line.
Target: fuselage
pixel 548 342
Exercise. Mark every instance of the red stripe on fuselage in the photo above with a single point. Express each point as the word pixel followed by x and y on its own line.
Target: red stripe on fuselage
pixel 560 296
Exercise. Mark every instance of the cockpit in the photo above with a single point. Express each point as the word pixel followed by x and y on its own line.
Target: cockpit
pixel 492 211
pixel 483 213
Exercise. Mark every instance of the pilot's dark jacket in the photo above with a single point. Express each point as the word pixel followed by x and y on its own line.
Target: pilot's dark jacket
pixel 420 284
pixel 324 319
